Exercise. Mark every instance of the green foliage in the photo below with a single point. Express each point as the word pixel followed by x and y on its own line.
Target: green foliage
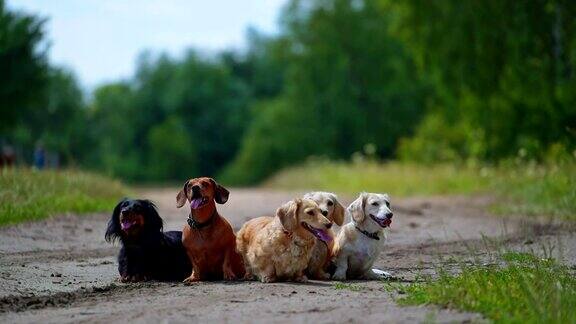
pixel 38 103
pixel 27 195
pixel 526 290
pixel 428 82
pixel 58 123
pixel 437 141
pixel 371 71
pixel 112 133
pixel 339 93
pixel 179 119
pixel 269 143
pixel 351 287
pixel 172 154
pixel 23 65
pixel 502 74
pixel 156 127
pixel 537 190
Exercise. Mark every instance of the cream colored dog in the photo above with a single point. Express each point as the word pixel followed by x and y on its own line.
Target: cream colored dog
pixel 322 251
pixel 279 248
pixel 360 241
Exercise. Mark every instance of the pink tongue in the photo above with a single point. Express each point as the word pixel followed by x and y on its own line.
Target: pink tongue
pixel 322 235
pixel 126 225
pixel 387 222
pixel 195 203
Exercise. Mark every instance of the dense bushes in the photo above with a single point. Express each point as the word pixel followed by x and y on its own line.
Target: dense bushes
pixel 503 77
pixel 423 81
pixel 349 83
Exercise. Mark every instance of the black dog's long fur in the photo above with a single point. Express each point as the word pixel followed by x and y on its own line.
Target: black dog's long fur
pixel 154 254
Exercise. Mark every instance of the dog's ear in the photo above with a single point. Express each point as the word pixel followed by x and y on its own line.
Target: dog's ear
pixel 288 214
pixel 220 193
pixel 339 212
pixel 356 208
pixel 154 222
pixel 113 231
pixel 182 196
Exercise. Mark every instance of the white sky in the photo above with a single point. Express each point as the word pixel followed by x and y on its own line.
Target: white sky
pixel 101 39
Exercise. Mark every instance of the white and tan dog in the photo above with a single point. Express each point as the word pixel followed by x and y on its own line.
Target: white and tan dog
pixel 360 241
pixel 322 251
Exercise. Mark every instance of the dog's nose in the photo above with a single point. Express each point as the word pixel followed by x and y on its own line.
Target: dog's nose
pixel 195 187
pixel 389 215
pixel 325 212
pixel 328 225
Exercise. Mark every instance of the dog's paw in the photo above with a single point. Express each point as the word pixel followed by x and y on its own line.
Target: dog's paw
pixel 322 275
pixel 127 279
pixel 229 275
pixel 301 278
pixel 267 279
pixel 133 278
pixel 191 280
pixel 339 276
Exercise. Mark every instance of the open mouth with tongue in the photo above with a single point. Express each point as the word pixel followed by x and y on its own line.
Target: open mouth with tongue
pixel 126 224
pixel 318 233
pixel 131 222
pixel 198 202
pixel 382 222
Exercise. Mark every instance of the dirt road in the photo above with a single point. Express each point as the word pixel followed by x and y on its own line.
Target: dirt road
pixel 62 270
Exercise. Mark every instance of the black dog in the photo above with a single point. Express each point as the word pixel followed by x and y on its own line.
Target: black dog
pixel 147 252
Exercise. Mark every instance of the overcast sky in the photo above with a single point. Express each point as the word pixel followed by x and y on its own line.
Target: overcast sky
pixel 101 39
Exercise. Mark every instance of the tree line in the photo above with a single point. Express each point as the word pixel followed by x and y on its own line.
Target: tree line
pixel 416 80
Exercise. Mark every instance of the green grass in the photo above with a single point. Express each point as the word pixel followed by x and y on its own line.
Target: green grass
pixel 525 289
pixel 526 189
pixel 27 195
pixel 347 286
pixel 537 190
pixel 401 179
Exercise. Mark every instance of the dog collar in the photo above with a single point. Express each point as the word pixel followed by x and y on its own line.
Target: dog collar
pixel 197 225
pixel 373 236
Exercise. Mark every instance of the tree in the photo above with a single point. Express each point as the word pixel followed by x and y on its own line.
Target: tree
pixel 112 132
pixel 348 83
pixel 172 151
pixel 502 74
pixel 23 65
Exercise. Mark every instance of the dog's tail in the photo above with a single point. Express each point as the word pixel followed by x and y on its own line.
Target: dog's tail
pixel 242 242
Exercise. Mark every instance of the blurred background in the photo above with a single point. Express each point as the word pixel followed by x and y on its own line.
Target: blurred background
pixel 459 109
pixel 158 91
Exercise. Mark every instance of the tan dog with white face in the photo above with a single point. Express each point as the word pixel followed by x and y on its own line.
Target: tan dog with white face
pixel 279 248
pixel 322 251
pixel 361 240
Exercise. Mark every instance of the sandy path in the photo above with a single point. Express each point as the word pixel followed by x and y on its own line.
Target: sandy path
pixel 61 270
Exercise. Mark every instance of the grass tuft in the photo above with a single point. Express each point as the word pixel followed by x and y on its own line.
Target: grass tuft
pixel 537 190
pixel 27 194
pixel 347 286
pixel 526 289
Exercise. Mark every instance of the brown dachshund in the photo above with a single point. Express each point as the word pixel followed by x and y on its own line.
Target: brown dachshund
pixel 207 237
